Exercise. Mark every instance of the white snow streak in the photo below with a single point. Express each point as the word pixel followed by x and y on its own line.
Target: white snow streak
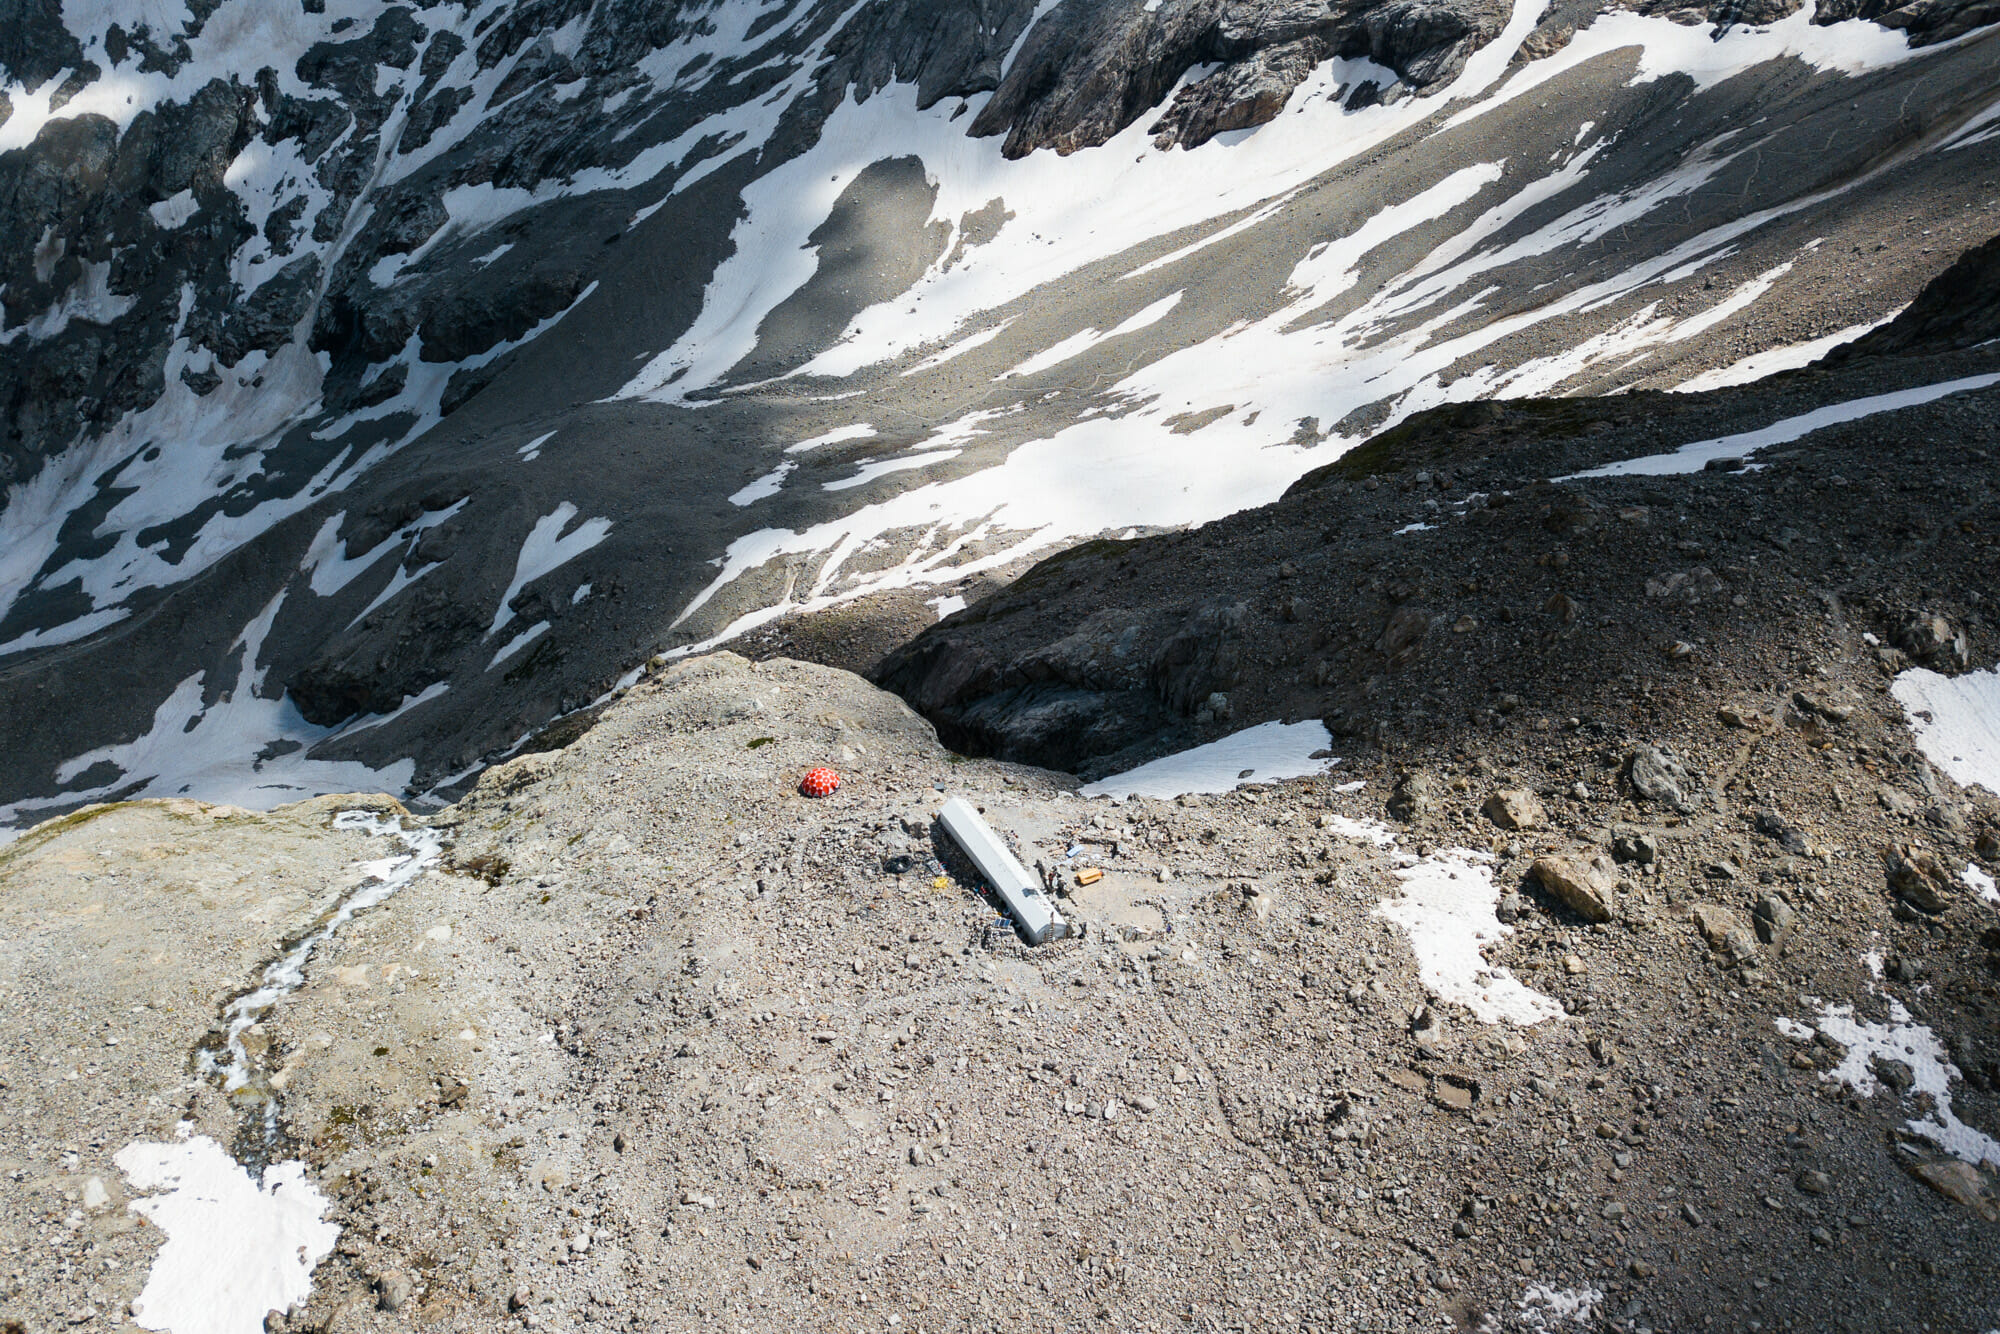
pixel 767 485
pixel 545 548
pixel 1261 754
pixel 1692 458
pixel 1077 344
pixel 1772 360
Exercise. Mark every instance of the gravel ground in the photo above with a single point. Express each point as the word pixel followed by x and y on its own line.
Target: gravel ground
pixel 660 1043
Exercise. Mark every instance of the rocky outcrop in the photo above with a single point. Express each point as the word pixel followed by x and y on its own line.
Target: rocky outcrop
pixel 1959 308
pixel 1121 679
pixel 1319 607
pixel 1087 694
pixel 1092 68
pixel 1925 21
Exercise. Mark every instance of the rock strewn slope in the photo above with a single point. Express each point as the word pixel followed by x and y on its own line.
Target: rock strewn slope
pixel 669 1044
pixel 1407 590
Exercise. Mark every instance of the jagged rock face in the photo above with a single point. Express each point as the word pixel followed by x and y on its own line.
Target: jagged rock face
pixel 1094 68
pixel 106 219
pixel 388 378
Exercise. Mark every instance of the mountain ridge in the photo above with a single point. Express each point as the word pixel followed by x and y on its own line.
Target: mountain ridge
pixel 492 270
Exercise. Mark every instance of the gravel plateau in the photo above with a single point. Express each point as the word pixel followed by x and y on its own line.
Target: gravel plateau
pixel 657 1042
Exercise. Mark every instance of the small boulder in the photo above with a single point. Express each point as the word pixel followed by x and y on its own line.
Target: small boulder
pixel 1515 808
pixel 1831 710
pixel 1414 795
pixel 1655 777
pixel 1742 716
pixel 1898 1075
pixel 1403 634
pixel 1775 827
pixel 1635 847
pixel 1590 889
pixel 1774 920
pixel 1725 933
pixel 393 1289
pixel 1933 641
pixel 1918 879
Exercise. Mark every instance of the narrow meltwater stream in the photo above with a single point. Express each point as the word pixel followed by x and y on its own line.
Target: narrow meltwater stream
pixel 245 1232
pixel 243 1080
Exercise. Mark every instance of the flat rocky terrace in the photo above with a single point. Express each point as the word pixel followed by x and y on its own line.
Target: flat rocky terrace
pixel 657 1043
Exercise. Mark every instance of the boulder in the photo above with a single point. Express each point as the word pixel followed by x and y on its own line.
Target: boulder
pixel 1933 641
pixel 1961 1183
pixel 1402 636
pixel 1589 888
pixel 1918 878
pixel 1656 777
pixel 1775 827
pixel 1414 795
pixel 1774 919
pixel 1635 847
pixel 1515 808
pixel 1725 933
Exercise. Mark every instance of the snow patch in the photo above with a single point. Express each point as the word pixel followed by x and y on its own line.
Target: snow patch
pixel 1546 1307
pixel 1079 343
pixel 767 485
pixel 858 431
pixel 961 347
pixel 1914 1045
pixel 89 299
pixel 1694 457
pixel 1774 359
pixel 1362 831
pixel 869 471
pixel 171 212
pixel 1262 754
pixel 66 633
pixel 379 880
pixel 1956 721
pixel 1447 911
pixel 546 548
pixel 517 643
pixel 242 749
pixel 237 1246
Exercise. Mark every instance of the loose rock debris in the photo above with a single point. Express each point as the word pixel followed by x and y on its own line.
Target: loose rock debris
pixel 700 1056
